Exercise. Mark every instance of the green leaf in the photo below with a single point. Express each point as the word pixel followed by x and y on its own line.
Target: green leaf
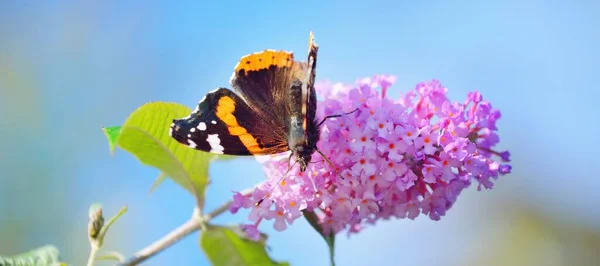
pixel 157 182
pixel 224 246
pixel 46 255
pixel 313 220
pixel 112 134
pixel 145 134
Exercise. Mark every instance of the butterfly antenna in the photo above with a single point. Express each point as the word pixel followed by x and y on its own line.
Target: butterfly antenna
pixel 330 163
pixel 276 184
pixel 334 116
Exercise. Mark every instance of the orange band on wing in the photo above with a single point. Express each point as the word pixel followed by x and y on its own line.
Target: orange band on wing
pixel 225 109
pixel 264 60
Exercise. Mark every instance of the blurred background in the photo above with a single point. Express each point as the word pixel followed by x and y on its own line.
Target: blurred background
pixel 68 68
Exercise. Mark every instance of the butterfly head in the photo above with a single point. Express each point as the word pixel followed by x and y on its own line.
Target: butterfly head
pixel 303 155
pixel 303 144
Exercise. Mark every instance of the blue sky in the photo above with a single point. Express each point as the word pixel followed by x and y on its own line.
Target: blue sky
pixel 79 66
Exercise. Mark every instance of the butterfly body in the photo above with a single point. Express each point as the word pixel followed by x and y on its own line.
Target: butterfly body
pixel 272 109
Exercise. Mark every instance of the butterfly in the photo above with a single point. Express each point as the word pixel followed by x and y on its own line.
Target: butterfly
pixel 271 110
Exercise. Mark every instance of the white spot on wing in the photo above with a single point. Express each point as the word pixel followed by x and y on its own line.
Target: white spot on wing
pixel 189 135
pixel 214 122
pixel 201 126
pixel 192 143
pixel 215 143
pixel 193 129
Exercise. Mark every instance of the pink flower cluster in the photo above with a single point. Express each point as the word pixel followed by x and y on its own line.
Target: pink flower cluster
pixel 394 158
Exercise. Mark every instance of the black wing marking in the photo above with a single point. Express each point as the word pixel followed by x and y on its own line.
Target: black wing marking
pixel 224 123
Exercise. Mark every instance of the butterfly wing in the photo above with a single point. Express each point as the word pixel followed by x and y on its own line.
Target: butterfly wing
pixel 309 94
pixel 255 120
pixel 266 80
pixel 224 123
pixel 303 131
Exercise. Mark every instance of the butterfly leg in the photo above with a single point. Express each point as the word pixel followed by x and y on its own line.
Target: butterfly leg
pixel 290 161
pixel 276 184
pixel 334 116
pixel 329 161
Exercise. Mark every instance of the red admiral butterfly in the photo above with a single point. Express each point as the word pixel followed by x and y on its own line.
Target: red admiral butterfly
pixel 271 110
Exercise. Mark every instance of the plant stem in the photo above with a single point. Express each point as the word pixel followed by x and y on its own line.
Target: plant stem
pixel 192 225
pixel 107 225
pixel 93 252
pixel 331 255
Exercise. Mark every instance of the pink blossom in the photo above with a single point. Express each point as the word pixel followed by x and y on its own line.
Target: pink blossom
pixel 394 158
pixel 251 231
